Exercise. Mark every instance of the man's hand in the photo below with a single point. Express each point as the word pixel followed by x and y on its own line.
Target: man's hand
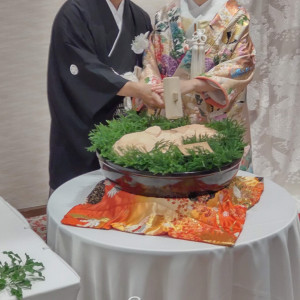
pixel 149 94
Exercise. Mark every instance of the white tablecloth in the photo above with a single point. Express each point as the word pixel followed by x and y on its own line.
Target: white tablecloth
pixel 61 281
pixel 264 264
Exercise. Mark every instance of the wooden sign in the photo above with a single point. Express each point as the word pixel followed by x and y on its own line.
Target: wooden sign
pixel 172 97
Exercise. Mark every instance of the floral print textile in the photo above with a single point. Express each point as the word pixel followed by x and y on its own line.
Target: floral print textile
pixel 39 225
pixel 229 61
pixel 215 218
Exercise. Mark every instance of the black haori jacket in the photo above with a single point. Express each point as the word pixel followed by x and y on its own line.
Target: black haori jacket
pixel 83 81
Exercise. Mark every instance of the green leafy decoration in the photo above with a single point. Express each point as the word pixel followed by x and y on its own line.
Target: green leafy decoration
pixel 204 75
pixel 18 275
pixel 161 26
pixel 224 57
pixel 243 20
pixel 220 58
pixel 227 145
pixel 216 59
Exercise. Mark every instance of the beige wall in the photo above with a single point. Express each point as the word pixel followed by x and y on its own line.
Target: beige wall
pixel 24 119
pixel 150 6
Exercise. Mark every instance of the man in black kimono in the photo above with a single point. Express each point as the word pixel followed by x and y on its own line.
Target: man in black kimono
pixel 87 54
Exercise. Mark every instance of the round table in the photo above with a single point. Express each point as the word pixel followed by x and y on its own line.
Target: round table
pixel 263 265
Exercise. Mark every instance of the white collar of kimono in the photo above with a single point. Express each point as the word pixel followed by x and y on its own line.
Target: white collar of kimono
pixel 118 16
pixel 117 13
pixel 204 12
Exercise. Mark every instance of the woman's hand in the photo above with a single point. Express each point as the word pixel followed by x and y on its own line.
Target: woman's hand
pixel 152 95
pixel 158 88
pixel 195 85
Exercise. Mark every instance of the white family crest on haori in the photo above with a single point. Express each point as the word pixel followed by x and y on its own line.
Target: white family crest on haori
pixel 74 69
pixel 140 43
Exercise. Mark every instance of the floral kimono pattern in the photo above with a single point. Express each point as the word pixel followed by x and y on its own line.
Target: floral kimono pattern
pixel 215 218
pixel 229 61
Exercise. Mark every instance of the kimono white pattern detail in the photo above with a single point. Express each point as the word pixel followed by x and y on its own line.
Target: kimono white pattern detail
pixel 229 60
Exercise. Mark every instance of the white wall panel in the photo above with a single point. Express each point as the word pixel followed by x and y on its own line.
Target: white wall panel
pixel 25 27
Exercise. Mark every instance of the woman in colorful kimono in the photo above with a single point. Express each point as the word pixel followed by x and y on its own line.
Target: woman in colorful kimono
pixel 205 43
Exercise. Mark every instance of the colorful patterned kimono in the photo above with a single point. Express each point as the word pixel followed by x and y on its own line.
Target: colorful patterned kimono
pixel 229 59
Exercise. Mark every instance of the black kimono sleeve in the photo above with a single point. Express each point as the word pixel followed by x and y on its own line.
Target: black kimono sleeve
pixel 87 80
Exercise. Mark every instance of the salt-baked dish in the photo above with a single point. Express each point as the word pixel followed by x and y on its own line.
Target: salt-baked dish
pixel 194 159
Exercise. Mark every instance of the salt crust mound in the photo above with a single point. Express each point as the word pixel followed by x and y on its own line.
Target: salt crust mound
pixel 145 140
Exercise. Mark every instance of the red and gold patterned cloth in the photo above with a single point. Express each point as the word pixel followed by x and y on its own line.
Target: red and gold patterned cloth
pixel 216 218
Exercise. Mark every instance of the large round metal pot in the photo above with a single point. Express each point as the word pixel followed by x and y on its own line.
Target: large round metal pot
pixel 177 185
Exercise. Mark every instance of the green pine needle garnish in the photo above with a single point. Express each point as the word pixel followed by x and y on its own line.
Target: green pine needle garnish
pixel 227 145
pixel 18 275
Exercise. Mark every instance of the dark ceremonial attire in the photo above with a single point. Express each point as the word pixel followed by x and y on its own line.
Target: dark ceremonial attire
pixel 83 80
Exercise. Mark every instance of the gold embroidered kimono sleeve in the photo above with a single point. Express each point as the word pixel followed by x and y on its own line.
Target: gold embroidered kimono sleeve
pixel 229 60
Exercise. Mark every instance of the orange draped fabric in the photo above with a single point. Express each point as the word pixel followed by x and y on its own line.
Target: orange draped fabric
pixel 216 218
